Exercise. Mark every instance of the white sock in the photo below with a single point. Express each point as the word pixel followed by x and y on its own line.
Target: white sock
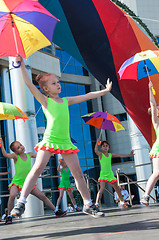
pixel 88 203
pixel 121 202
pixel 22 200
pixel 75 206
pixel 97 203
pixel 57 208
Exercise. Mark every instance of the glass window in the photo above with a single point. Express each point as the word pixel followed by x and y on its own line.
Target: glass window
pixel 76 131
pixel 69 64
pixel 75 110
pixel 89 150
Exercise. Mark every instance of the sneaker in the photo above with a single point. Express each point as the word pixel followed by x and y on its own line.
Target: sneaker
pixel 8 220
pixel 92 211
pixel 145 200
pixel 18 209
pixel 97 207
pixel 77 209
pixel 124 205
pixel 60 213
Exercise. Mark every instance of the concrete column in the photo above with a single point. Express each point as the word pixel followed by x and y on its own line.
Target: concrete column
pixel 26 132
pixel 6 97
pixel 141 150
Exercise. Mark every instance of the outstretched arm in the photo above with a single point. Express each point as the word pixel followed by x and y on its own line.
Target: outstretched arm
pixel 123 155
pixel 32 154
pixel 96 148
pixel 153 105
pixel 5 173
pixel 37 94
pixel 5 154
pixel 90 95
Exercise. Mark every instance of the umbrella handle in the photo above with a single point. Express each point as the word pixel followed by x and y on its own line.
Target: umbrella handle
pixel 153 90
pixel 16 66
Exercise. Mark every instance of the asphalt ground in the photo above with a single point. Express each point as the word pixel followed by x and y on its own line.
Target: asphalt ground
pixel 138 222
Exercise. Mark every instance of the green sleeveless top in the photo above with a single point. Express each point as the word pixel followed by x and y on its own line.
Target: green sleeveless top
pixel 57 134
pixel 155 148
pixel 22 168
pixel 65 180
pixel 106 173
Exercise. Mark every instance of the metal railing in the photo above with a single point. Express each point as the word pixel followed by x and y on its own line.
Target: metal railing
pixel 130 181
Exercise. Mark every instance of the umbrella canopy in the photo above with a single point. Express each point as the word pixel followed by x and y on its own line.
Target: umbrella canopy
pixel 103 120
pixel 101 36
pixel 25 27
pixel 141 65
pixel 9 111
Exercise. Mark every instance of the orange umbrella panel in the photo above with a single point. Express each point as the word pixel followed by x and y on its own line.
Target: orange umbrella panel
pixel 9 111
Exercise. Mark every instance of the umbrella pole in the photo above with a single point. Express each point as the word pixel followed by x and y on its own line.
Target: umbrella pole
pixel 153 90
pixel 100 134
pixel 16 44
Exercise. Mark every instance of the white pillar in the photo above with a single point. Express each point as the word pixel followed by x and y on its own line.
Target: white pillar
pixel 9 123
pixel 141 149
pixel 26 132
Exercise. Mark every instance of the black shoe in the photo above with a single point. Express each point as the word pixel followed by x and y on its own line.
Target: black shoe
pixel 8 220
pixel 60 213
pixel 18 210
pixel 92 211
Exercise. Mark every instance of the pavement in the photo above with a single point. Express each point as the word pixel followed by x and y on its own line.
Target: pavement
pixel 138 222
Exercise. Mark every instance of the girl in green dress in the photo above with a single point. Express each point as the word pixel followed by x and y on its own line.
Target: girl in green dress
pixel 106 173
pixel 57 135
pixel 65 185
pixel 154 153
pixel 22 163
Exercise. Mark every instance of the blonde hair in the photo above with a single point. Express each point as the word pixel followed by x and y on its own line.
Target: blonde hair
pixel 42 80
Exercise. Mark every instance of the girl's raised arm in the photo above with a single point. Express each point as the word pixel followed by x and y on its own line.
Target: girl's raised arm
pixel 90 95
pixel 37 94
pixel 5 154
pixel 153 105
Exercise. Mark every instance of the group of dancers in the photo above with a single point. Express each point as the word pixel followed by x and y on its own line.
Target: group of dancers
pixel 56 140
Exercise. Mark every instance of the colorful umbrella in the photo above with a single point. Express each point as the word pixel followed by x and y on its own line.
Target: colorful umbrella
pixel 141 65
pixel 103 120
pixel 9 111
pixel 25 27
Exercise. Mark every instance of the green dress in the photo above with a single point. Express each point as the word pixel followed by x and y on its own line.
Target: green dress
pixel 57 134
pixel 22 168
pixel 154 153
pixel 65 180
pixel 106 173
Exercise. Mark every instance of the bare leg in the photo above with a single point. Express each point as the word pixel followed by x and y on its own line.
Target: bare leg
pixel 101 190
pixel 13 193
pixel 70 193
pixel 60 197
pixel 118 191
pixel 72 162
pixel 153 178
pixel 37 193
pixel 38 167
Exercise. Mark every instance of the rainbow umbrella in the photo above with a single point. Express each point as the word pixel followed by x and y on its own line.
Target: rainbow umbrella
pixel 103 120
pixel 9 111
pixel 25 27
pixel 141 65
